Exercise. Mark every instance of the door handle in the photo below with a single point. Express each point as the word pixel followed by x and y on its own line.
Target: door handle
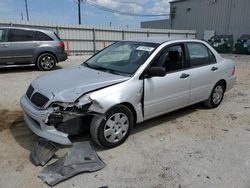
pixel 36 44
pixel 184 75
pixel 214 68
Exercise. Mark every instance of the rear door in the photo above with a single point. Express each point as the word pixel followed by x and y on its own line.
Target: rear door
pixel 5 53
pixel 22 45
pixel 203 71
pixel 165 94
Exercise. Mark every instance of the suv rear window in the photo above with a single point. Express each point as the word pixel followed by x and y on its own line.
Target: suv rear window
pixel 42 36
pixel 18 35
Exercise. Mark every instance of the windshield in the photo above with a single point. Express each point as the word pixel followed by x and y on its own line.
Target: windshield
pixel 122 57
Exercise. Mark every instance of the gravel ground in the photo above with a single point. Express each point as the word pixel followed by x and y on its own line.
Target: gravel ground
pixel 192 147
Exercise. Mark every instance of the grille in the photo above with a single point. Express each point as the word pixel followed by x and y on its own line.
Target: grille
pixel 30 91
pixel 39 99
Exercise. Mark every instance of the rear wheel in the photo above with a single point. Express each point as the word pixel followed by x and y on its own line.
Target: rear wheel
pixel 216 96
pixel 115 129
pixel 46 62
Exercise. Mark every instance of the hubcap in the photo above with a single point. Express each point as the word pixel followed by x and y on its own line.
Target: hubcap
pixel 217 94
pixel 116 127
pixel 47 62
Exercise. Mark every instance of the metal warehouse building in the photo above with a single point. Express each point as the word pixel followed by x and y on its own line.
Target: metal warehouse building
pixel 207 17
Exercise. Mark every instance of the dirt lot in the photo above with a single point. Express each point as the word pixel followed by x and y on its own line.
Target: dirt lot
pixel 192 147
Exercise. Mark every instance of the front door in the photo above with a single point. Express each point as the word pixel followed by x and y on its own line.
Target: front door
pixel 165 94
pixel 5 53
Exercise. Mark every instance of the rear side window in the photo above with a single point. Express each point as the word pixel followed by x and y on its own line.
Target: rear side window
pixel 18 35
pixel 199 55
pixel 42 36
pixel 3 35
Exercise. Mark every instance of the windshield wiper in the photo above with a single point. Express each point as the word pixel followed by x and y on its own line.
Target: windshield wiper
pixel 104 69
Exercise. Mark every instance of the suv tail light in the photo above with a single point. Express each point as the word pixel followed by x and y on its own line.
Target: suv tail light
pixel 233 72
pixel 61 43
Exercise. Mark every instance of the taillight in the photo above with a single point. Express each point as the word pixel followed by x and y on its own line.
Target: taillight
pixel 61 43
pixel 233 72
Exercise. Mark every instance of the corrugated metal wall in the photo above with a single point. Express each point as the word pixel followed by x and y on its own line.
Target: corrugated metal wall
pixel 156 24
pixel 222 16
pixel 86 39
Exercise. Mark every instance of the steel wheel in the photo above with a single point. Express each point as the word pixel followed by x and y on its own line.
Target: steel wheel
pixel 218 94
pixel 116 127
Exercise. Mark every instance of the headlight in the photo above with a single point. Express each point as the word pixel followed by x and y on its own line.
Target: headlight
pixel 84 102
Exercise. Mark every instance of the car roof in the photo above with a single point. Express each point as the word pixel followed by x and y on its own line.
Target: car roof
pixel 27 28
pixel 160 40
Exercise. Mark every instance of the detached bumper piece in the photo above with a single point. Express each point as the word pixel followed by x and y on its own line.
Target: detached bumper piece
pixel 42 152
pixel 80 158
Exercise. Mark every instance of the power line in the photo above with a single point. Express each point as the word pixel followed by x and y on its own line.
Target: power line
pixel 79 12
pixel 103 8
pixel 27 11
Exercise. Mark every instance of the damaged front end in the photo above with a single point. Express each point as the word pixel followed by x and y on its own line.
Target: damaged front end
pixel 59 120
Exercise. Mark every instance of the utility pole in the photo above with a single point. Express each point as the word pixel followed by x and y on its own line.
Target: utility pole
pixel 79 12
pixel 22 15
pixel 27 11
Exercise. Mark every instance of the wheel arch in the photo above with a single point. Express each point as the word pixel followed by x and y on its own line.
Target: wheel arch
pixel 132 109
pixel 224 83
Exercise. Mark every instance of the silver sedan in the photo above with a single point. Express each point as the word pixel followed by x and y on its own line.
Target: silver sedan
pixel 124 84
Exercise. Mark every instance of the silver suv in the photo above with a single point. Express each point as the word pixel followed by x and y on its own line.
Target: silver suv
pixel 24 47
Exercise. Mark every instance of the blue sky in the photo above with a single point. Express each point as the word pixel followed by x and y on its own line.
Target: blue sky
pixel 65 11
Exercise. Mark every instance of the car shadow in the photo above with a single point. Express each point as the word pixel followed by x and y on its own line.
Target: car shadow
pixel 22 134
pixel 9 70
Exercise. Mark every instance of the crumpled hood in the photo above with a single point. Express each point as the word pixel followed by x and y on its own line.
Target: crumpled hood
pixel 67 85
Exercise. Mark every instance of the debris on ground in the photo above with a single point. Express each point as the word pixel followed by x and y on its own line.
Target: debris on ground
pixel 43 150
pixel 233 117
pixel 80 158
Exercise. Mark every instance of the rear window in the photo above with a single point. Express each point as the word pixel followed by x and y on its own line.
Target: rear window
pixel 42 36
pixel 18 35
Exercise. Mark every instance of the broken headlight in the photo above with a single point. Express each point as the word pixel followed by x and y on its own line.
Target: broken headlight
pixel 84 103
pixel 62 106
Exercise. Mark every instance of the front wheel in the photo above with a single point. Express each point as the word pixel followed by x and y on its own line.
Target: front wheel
pixel 216 96
pixel 115 129
pixel 46 62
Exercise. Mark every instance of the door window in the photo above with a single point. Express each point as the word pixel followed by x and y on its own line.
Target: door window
pixel 171 58
pixel 3 35
pixel 198 54
pixel 18 35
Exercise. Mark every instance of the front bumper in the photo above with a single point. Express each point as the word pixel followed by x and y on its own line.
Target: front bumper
pixel 35 119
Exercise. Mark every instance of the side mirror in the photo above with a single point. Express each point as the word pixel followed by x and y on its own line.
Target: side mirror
pixel 156 72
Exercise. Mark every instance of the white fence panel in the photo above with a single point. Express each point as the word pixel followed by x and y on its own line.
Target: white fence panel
pixel 82 39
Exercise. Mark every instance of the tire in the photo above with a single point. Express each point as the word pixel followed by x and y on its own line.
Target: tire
pixel 46 62
pixel 216 96
pixel 118 124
